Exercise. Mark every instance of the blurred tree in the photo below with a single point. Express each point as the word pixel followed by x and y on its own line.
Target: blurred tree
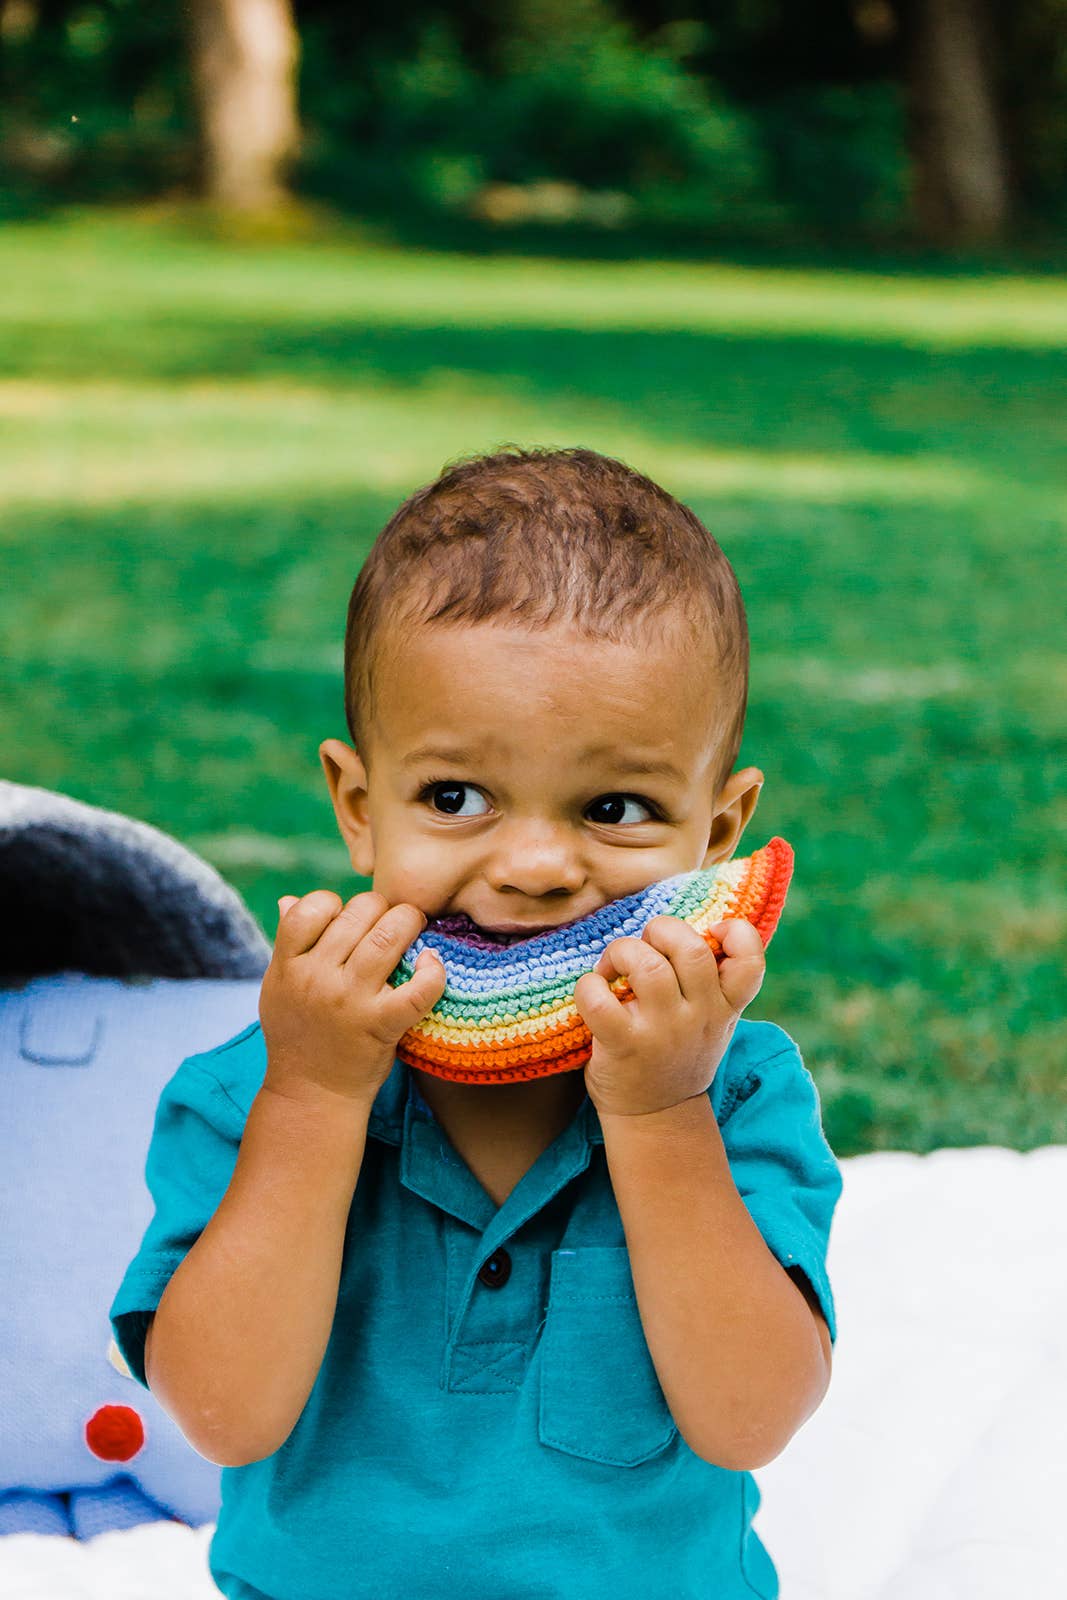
pixel 832 120
pixel 959 165
pixel 1034 64
pixel 244 55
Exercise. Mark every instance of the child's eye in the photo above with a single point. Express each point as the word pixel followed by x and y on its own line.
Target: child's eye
pixel 450 794
pixel 616 801
pixel 446 795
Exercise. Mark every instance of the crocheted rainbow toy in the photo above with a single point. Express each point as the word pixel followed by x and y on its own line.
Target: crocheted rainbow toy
pixel 508 1009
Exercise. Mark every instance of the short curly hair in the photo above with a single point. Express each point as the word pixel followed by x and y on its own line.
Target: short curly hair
pixel 541 536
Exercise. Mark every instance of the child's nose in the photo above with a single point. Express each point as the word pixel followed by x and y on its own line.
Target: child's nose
pixel 538 870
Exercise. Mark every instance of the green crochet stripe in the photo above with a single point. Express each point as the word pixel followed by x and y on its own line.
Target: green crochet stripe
pixel 691 896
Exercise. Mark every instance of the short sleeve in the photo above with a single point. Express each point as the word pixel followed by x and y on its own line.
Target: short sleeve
pixel 783 1167
pixel 191 1156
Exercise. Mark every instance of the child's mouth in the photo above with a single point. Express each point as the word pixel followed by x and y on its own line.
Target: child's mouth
pixel 458 925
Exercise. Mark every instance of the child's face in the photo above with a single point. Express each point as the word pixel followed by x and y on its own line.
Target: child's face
pixel 531 811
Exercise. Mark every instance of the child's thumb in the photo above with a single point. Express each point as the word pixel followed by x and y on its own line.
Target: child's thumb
pixel 285 902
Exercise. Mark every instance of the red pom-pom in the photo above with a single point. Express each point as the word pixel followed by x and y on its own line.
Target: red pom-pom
pixel 114 1433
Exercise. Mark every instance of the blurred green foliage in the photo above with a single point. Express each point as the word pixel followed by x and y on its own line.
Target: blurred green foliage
pixel 572 95
pixel 95 100
pixel 838 154
pixel 767 120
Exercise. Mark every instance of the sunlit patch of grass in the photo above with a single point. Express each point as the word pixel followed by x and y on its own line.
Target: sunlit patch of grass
pixel 74 268
pixel 870 685
pixel 1003 916
pixel 242 848
pixel 125 444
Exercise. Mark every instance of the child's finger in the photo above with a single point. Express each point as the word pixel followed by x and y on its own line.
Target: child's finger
pixel 415 998
pixel 689 954
pixel 738 937
pixel 647 970
pixel 743 964
pixel 601 1009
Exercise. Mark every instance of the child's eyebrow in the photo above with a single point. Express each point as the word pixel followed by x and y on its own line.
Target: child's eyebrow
pixel 621 761
pixel 624 761
pixel 460 754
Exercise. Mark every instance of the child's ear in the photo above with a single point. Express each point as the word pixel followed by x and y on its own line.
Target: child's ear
pixel 346 779
pixel 732 810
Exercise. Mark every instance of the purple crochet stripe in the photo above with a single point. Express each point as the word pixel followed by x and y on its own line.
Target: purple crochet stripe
pixel 460 926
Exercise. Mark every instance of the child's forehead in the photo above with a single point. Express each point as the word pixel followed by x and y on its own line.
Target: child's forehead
pixel 665 642
pixel 484 693
pixel 505 669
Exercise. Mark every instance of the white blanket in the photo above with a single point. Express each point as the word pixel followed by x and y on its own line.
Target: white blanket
pixel 934 1468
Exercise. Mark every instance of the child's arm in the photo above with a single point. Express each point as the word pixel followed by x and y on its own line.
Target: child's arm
pixel 240 1332
pixel 715 1216
pixel 243 1324
pixel 740 1358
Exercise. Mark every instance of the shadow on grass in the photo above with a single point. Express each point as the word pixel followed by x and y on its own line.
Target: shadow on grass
pixel 316 213
pixel 1033 249
pixel 999 409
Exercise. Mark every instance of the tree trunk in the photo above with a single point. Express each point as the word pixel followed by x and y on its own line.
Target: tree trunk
pixel 959 168
pixel 244 55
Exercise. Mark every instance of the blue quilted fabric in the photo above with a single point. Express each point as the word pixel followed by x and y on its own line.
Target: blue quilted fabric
pixel 138 955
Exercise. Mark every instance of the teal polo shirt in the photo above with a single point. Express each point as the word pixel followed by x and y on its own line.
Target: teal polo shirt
pixel 487 1420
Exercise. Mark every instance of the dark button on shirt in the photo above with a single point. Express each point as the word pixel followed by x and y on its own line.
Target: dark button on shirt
pixel 496 1271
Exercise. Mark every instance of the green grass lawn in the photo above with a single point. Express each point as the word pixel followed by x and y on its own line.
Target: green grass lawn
pixel 199 442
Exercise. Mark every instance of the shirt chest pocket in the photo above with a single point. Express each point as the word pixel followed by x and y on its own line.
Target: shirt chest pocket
pixel 599 1397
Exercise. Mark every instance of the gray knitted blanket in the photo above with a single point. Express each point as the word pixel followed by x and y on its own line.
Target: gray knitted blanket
pixel 94 891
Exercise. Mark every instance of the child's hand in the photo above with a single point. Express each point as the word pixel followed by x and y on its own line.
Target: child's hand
pixel 330 1018
pixel 664 1045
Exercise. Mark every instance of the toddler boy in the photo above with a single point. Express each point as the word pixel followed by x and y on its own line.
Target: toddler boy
pixel 513 1341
